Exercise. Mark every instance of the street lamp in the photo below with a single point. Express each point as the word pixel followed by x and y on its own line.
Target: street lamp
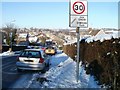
pixel 11 40
pixel 12 22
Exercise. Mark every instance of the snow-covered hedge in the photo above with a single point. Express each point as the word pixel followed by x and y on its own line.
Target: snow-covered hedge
pixel 100 59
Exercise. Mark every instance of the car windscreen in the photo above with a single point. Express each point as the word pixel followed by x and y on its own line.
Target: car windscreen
pixel 49 43
pixel 31 54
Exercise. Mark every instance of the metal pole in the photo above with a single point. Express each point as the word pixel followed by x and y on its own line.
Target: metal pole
pixel 78 53
pixel 11 40
pixel 11 43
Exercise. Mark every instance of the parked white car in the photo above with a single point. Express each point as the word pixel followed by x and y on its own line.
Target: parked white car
pixel 32 59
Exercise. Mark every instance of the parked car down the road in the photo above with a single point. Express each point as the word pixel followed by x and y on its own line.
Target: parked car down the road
pixel 32 59
pixel 50 50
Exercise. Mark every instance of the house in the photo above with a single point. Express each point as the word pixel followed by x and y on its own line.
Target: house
pixel 3 37
pixel 95 32
pixel 100 32
pixel 114 33
pixel 22 39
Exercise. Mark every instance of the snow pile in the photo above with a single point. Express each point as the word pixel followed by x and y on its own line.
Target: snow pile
pixel 56 60
pixel 8 53
pixel 33 39
pixel 22 35
pixel 99 37
pixel 102 37
pixel 62 74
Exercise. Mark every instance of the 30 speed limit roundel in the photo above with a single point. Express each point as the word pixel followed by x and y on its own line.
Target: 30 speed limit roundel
pixel 78 7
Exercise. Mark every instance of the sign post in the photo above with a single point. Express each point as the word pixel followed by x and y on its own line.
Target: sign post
pixel 78 18
pixel 78 53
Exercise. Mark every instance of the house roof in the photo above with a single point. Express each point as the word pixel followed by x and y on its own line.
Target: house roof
pixel 89 32
pixel 93 32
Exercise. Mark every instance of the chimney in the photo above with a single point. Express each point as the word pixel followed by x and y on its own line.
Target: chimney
pixel 90 29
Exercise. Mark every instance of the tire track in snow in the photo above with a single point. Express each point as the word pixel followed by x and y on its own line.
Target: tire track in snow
pixel 24 81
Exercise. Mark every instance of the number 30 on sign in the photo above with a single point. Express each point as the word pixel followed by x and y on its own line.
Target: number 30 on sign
pixel 78 7
pixel 78 14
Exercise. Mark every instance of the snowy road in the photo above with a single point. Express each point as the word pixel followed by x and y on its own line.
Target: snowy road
pixel 10 77
pixel 9 74
pixel 61 74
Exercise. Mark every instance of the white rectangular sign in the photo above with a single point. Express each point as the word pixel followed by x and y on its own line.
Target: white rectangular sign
pixel 78 14
pixel 79 21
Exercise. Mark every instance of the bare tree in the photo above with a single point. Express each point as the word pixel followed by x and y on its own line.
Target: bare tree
pixel 10 28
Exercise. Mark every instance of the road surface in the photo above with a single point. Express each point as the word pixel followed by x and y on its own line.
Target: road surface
pixel 10 77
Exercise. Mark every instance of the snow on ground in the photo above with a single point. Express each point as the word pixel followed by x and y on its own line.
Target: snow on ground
pixel 62 74
pixel 8 53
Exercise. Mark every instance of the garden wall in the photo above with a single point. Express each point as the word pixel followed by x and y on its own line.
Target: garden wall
pixel 14 48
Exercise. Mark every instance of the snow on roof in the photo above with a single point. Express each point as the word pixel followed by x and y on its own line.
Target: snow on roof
pixel 101 37
pixel 33 39
pixel 23 35
pixel 49 40
pixel 70 41
pixel 33 49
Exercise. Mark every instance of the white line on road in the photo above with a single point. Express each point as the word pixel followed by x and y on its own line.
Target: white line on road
pixel 10 72
pixel 23 81
pixel 13 68
pixel 6 64
pixel 3 57
pixel 30 82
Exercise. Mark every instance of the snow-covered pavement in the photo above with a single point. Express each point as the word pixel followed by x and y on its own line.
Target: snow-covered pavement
pixel 8 53
pixel 62 74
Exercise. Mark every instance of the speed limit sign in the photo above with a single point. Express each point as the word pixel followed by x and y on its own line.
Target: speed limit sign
pixel 78 13
pixel 78 7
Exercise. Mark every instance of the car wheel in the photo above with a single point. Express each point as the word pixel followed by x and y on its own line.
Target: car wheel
pixel 19 70
pixel 43 71
pixel 47 64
